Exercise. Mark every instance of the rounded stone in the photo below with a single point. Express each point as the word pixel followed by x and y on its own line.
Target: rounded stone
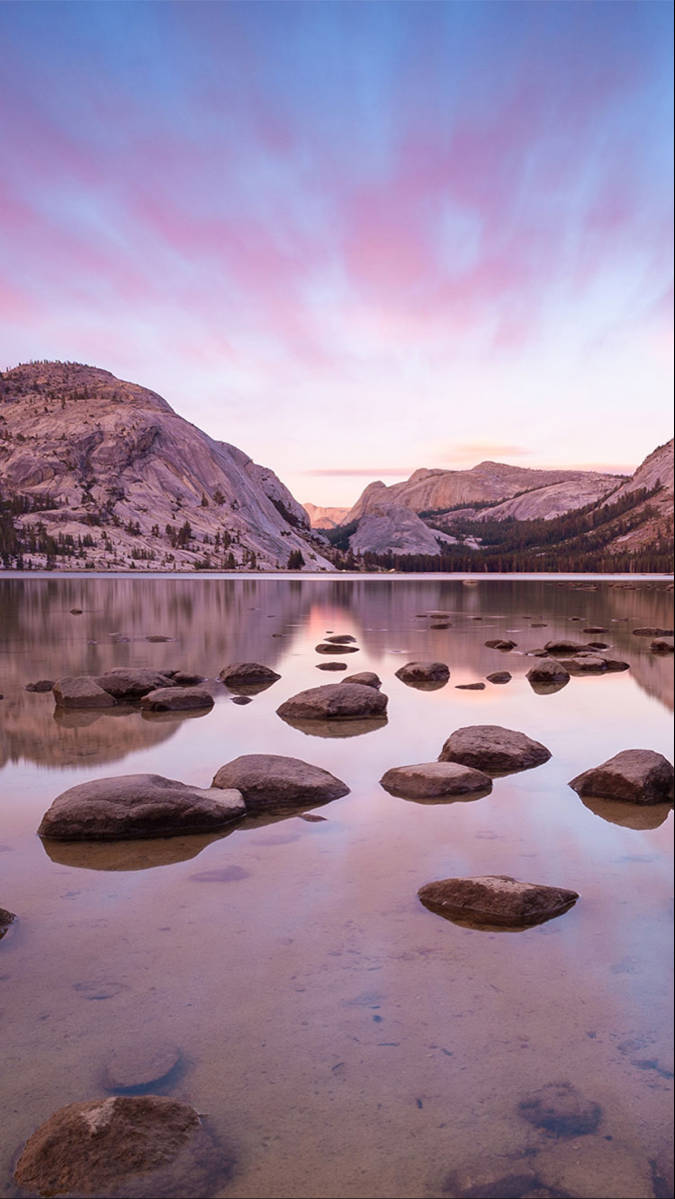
pixel 176 699
pixel 367 678
pixel 334 701
pixel 496 901
pixel 493 749
pixel 415 673
pixel 560 1109
pixel 430 780
pixel 639 776
pixel 499 676
pixel 272 782
pixel 244 673
pixel 336 648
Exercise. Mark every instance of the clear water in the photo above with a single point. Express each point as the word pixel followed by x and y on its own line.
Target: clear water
pixel 342 1039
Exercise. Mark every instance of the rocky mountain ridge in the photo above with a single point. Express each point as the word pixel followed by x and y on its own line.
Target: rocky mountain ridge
pixel 103 473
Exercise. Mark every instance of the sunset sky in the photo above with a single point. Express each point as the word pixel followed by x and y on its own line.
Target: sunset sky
pixel 353 239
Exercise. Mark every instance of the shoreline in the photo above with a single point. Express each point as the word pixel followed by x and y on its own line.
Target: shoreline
pixel 331 576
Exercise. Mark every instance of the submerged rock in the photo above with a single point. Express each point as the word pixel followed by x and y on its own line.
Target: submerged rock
pixel 429 780
pixel 496 901
pixel 493 749
pixel 334 701
pixel 81 692
pixel 590 1167
pixel 271 782
pixel 40 685
pixel 138 805
pixel 559 1108
pixel 176 699
pixel 415 673
pixel 367 678
pixel 138 1067
pixel 144 1146
pixel 639 776
pixel 246 673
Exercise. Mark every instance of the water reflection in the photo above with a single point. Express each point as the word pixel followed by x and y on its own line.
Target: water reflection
pixel 130 855
pixel 628 815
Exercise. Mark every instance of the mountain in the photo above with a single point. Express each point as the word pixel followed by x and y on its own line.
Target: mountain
pixel 325 518
pixel 99 472
pixel 436 491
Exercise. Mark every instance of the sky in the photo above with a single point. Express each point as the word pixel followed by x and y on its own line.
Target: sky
pixel 354 239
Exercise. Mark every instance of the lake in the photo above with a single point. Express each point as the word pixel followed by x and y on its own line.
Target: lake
pixel 342 1039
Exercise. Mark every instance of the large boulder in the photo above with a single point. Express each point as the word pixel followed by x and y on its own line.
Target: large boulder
pixel 421 673
pixel 547 672
pixel 138 805
pixel 334 701
pixel 176 699
pixel 131 683
pixel 496 900
pixel 493 749
pixel 367 678
pixel 144 1146
pixel 639 776
pixel 245 674
pixel 81 692
pixel 432 780
pixel 272 783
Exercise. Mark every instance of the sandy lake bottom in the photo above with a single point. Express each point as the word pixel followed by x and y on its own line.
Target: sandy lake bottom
pixel 342 1040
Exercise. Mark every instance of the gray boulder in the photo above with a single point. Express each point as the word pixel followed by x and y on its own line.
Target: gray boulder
pixel 493 749
pixel 246 673
pixel 176 699
pixel 546 672
pixel 81 692
pixel 414 673
pixel 335 701
pixel 131 683
pixel 143 1145
pixel 272 783
pixel 431 780
pixel 138 805
pixel 496 901
pixel 639 776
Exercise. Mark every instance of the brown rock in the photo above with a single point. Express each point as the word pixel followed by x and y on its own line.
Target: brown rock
pixel 246 673
pixel 493 749
pixel 648 631
pixel 496 901
pixel 470 687
pixel 340 638
pixel 662 645
pixel 270 782
pixel 367 678
pixel 81 692
pixel 137 805
pixel 131 683
pixel 331 665
pixel 176 699
pixel 184 678
pixel 414 673
pixel 6 920
pixel 595 628
pixel 566 648
pixel 499 676
pixel 338 648
pixel 546 672
pixel 586 664
pixel 430 780
pixel 614 664
pixel 639 776
pixel 40 685
pixel 335 701
pixel 145 1147
pixel 501 644
pixel 559 1108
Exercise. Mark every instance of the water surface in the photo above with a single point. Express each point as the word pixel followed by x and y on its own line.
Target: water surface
pixel 341 1038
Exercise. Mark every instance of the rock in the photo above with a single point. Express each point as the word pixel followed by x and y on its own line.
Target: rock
pixel 414 673
pixel 598 645
pixel 246 673
pixel 241 699
pixel 335 701
pixel 143 1146
pixel 137 1067
pixel 648 631
pixel 470 687
pixel 567 648
pixel 499 644
pixel 75 611
pixel 137 805
pixel 429 780
pixel 559 1108
pixel 499 676
pixel 639 776
pixel 440 624
pixel 662 645
pixel 6 921
pixel 586 664
pixel 539 624
pixel 40 685
pixel 157 637
pixel 81 692
pixel 590 1167
pixel 338 648
pixel 270 782
pixel 496 901
pixel 367 678
pixel 546 672
pixel 132 683
pixel 493 749
pixel 176 699
pixel 595 628
pixel 183 678
pixel 614 664
pixel 331 665
pixel 340 638
pixel 482 1180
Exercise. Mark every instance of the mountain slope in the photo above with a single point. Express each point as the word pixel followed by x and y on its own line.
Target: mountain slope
pixel 107 462
pixel 325 518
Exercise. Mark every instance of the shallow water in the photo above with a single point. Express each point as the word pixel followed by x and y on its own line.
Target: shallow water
pixel 343 1040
